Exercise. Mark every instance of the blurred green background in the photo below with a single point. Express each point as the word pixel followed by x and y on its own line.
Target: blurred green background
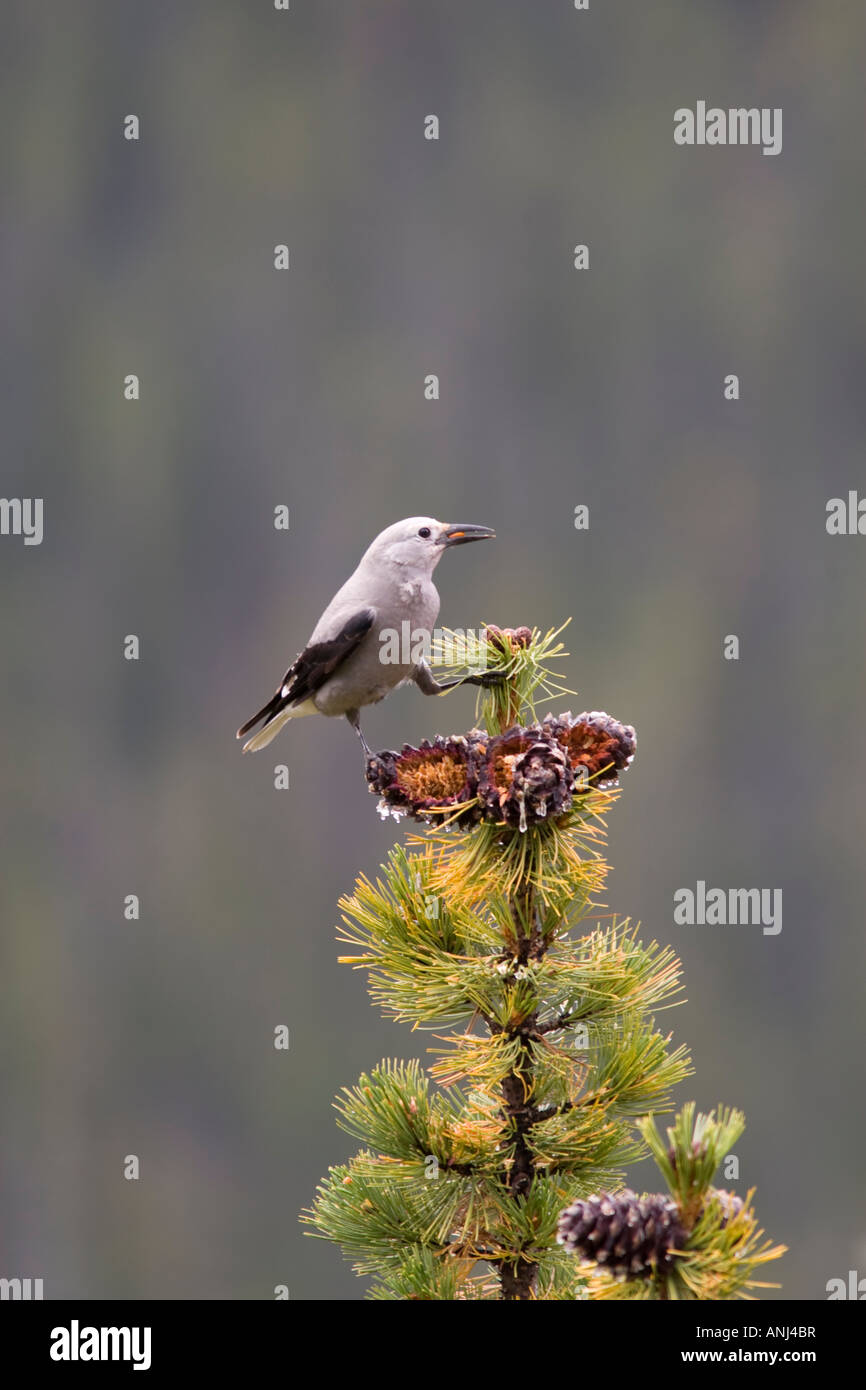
pixel 306 388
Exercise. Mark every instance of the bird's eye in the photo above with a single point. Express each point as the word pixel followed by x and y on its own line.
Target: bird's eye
pixel 425 532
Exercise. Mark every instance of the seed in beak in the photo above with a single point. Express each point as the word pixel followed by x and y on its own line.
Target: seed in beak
pixel 461 533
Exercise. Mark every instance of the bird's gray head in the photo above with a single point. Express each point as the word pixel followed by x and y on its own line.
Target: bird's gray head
pixel 419 542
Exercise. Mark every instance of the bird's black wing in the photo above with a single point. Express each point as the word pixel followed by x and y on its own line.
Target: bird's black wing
pixel 313 666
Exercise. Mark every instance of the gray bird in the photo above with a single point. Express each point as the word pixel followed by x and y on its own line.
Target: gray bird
pixel 341 669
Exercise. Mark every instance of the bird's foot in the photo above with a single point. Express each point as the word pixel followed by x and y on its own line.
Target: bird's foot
pixel 487 679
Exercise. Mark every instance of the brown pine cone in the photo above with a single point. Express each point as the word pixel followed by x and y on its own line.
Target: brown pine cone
pixel 437 776
pixel 629 1235
pixel 594 741
pixel 524 778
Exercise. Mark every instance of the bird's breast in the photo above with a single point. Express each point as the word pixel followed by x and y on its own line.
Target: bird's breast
pixel 421 600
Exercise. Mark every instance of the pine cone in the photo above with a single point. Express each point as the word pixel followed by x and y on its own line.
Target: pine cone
pixel 521 777
pixel 730 1203
pixel 631 1236
pixel 505 639
pixel 594 741
pixel 437 776
pixel 524 778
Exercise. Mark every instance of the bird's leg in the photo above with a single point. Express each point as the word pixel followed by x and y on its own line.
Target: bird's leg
pixel 486 679
pixel 428 684
pixel 354 718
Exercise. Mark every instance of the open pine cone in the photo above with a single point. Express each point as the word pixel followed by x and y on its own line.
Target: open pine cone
pixel 519 778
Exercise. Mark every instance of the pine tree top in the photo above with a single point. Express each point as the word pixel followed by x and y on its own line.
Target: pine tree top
pixel 548 1063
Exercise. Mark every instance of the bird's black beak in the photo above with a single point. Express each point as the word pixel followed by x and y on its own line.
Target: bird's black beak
pixel 461 534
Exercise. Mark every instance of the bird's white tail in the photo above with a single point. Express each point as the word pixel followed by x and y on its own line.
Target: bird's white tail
pixel 272 728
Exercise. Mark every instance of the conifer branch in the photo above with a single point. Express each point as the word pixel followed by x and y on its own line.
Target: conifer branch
pixel 541 1085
